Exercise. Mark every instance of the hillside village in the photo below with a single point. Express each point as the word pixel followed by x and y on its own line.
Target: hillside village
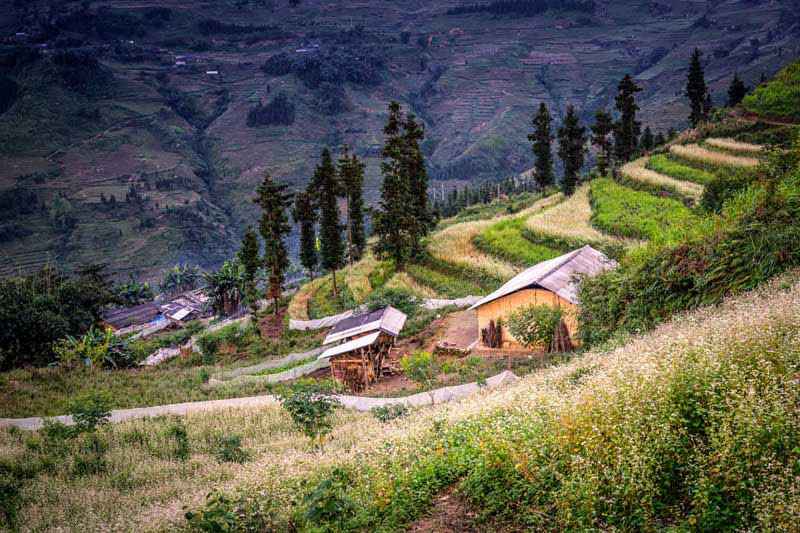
pixel 615 348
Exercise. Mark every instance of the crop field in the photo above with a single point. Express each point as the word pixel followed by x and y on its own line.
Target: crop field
pixel 603 423
pixel 454 245
pixel 696 153
pixel 568 225
pixel 634 214
pixel 669 167
pixel 638 171
pixel 442 283
pixel 298 306
pixel 356 277
pixel 505 240
pixel 732 145
pixel 402 280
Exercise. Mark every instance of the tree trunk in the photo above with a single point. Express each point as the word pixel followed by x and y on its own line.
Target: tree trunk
pixel 335 291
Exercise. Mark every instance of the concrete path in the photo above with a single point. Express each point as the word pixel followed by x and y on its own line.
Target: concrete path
pixel 360 403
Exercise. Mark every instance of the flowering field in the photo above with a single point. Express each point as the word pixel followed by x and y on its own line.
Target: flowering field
pixel 694 426
pixel 732 145
pixel 698 154
pixel 637 171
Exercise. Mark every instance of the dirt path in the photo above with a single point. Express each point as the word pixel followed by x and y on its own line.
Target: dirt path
pixel 450 514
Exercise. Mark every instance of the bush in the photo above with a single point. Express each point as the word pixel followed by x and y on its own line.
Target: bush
pixel 725 186
pixel 327 505
pixel 781 96
pixel 177 431
pixel 310 404
pixel 387 413
pixel 535 325
pixel 90 410
pixel 230 450
pixel 278 111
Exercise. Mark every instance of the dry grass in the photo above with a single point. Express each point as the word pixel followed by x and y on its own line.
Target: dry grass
pixel 698 154
pixel 402 280
pixel 733 145
pixel 356 277
pixel 571 220
pixel 298 306
pixel 637 171
pixel 454 244
pixel 145 489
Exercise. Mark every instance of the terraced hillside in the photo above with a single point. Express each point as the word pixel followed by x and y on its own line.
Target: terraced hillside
pixel 173 87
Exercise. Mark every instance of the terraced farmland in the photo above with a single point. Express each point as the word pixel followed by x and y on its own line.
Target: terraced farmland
pixel 637 170
pixel 699 154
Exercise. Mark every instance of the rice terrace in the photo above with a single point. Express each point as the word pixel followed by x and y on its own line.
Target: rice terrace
pixel 380 266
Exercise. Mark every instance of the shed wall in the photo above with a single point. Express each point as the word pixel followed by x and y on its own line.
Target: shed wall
pixel 503 307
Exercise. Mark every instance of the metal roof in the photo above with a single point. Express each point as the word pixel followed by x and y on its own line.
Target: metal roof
pixel 354 344
pixel 388 320
pixel 558 275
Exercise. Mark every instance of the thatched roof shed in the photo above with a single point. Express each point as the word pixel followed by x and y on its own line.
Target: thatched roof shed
pixel 552 282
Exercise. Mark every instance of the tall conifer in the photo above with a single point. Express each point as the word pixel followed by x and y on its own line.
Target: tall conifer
pixel 648 141
pixel 330 229
pixel 696 89
pixel 415 172
pixel 736 90
pixel 601 129
pixel 628 128
pixel 571 149
pixel 274 226
pixel 305 215
pixel 351 176
pixel 541 140
pixel 249 256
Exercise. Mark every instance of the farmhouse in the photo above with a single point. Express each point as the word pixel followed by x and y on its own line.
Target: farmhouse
pixel 552 282
pixel 365 340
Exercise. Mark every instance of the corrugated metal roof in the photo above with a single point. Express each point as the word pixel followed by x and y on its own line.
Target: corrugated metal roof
pixel 558 275
pixel 389 320
pixel 354 344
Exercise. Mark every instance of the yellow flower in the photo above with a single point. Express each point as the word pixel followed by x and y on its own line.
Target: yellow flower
pixel 692 520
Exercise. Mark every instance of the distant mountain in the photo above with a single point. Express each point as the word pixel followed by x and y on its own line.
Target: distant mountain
pixel 135 135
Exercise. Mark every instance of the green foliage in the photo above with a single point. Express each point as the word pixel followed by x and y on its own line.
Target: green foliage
pixel 274 227
pixel 132 293
pixel 571 149
pixel 622 211
pixel 91 349
pixel 249 257
pixel 284 368
pixel 39 309
pixel 225 515
pixel 665 165
pixel 724 186
pixel 601 129
pixel 325 303
pixel 381 274
pixel 180 278
pixel 626 131
pixel 180 437
pixel 389 412
pixel 90 410
pixel 421 368
pixel 737 90
pixel 506 240
pixel 226 286
pixel 280 110
pixel 230 450
pixel 780 97
pixel 327 190
pixel 327 507
pixel 310 404
pixel 535 325
pixel 232 335
pixel 541 142
pixel 305 215
pixel 443 281
pixel 696 89
pixel 400 299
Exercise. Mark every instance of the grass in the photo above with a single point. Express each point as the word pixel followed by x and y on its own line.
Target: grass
pixel 780 97
pixel 356 277
pixel 669 167
pixel 505 240
pixel 732 145
pixel 694 426
pixel 696 153
pixel 298 306
pixel 502 206
pixel 445 284
pixel 635 214
pixel 637 171
pixel 284 368
pixel 568 225
pixel 323 302
pixel 401 280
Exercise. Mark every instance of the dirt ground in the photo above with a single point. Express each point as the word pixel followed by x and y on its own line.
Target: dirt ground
pixel 450 514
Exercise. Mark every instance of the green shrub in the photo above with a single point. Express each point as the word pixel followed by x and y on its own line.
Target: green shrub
pixel 230 450
pixel 90 410
pixel 392 411
pixel 724 186
pixel 381 274
pixel 670 167
pixel 223 514
pixel 780 97
pixel 535 325
pixel 422 368
pixel 180 437
pixel 327 506
pixel 310 404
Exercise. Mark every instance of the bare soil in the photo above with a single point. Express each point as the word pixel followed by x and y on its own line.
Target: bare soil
pixel 450 514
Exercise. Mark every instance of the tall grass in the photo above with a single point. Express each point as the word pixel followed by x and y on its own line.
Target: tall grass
pixel 635 214
pixel 402 280
pixel 732 145
pixel 443 283
pixel 298 305
pixel 356 276
pixel 696 153
pixel 669 167
pixel 637 171
pixel 693 426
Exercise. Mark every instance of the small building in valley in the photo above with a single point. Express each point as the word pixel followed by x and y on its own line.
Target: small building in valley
pixel 360 347
pixel 553 282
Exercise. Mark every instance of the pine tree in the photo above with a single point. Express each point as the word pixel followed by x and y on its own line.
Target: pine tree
pixel 736 90
pixel 394 222
pixel 708 106
pixel 647 141
pixel 330 229
pixel 350 173
pixel 628 128
pixel 571 149
pixel 305 215
pixel 274 226
pixel 249 257
pixel 659 140
pixel 416 173
pixel 541 139
pixel 602 128
pixel 696 89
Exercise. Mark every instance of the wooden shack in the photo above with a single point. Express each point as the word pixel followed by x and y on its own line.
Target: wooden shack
pixel 553 282
pixel 361 356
